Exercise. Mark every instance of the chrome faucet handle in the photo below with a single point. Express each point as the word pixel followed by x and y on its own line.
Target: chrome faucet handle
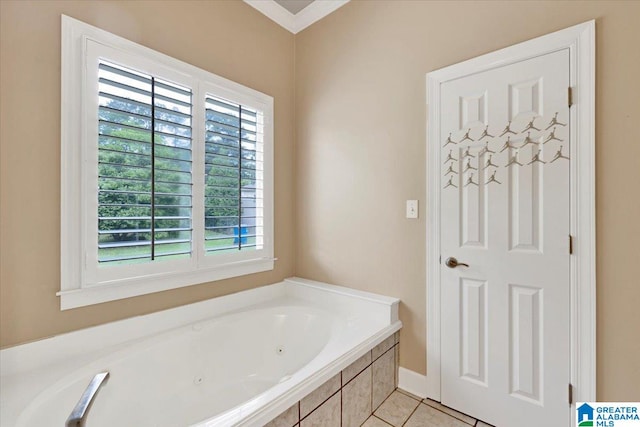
pixel 78 416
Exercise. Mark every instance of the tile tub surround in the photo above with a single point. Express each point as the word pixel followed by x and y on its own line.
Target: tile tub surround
pixel 349 398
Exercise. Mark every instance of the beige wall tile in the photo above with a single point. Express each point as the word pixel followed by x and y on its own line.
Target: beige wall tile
pixel 288 418
pixel 356 400
pixel 382 347
pixel 383 377
pixel 396 372
pixel 356 367
pixel 327 415
pixel 319 395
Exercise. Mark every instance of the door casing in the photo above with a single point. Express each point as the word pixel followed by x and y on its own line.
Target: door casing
pixel 580 40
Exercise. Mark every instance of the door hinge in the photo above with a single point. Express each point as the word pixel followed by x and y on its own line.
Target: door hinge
pixel 570 96
pixel 570 244
pixel 570 394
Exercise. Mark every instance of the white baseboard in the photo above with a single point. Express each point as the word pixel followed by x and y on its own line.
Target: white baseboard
pixel 412 382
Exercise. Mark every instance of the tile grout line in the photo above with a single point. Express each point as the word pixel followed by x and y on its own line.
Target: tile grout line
pixel 383 353
pixel 374 416
pixel 371 393
pixel 380 405
pixel 412 412
pixel 396 357
pixel 412 398
pixel 325 401
pixel 371 363
pixel 341 400
pixel 361 371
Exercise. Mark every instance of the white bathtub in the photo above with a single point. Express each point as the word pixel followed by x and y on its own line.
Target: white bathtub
pixel 235 360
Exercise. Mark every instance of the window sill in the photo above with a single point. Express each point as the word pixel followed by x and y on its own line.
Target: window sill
pixel 74 298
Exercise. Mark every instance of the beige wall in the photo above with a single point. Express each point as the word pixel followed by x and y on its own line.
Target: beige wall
pixel 360 106
pixel 228 38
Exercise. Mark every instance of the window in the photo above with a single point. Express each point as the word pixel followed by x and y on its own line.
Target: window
pixel 167 172
pixel 144 176
pixel 234 186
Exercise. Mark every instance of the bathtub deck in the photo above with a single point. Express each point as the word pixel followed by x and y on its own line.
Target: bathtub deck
pixel 406 410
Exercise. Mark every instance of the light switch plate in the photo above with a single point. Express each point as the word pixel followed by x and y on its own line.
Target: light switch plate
pixel 412 209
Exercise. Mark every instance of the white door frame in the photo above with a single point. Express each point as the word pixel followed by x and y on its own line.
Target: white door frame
pixel 580 40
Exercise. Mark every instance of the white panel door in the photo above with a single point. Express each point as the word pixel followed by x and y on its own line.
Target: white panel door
pixel 505 212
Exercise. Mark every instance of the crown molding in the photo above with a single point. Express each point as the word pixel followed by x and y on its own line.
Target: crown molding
pixel 298 22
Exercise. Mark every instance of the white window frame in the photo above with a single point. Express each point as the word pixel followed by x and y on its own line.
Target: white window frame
pixel 83 282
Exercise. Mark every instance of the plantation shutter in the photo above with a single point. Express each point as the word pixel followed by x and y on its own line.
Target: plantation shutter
pixel 144 167
pixel 234 177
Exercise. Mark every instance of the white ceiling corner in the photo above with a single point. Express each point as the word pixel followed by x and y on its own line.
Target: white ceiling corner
pixel 301 20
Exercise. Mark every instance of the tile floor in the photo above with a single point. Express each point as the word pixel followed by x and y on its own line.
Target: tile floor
pixel 404 409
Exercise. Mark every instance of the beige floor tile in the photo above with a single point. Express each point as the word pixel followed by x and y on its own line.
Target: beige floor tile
pixel 426 416
pixel 462 417
pixel 481 424
pixel 375 422
pixel 396 409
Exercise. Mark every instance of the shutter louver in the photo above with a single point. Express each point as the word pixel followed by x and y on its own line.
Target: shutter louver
pixel 144 167
pixel 234 181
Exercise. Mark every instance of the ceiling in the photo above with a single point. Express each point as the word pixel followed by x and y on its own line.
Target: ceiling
pixel 296 15
pixel 294 6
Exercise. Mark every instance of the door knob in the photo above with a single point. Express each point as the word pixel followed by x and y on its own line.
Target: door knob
pixel 451 262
